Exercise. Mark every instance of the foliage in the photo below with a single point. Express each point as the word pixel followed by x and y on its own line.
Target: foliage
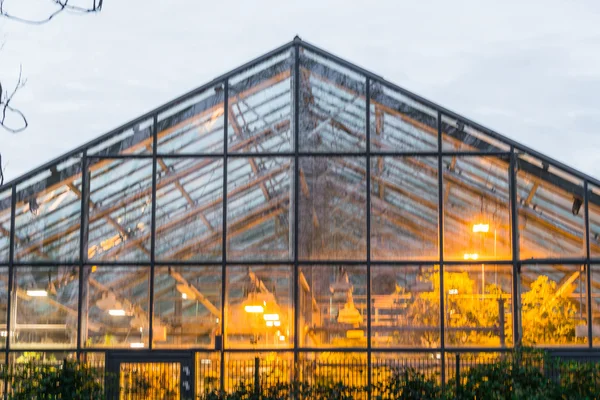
pixel 71 380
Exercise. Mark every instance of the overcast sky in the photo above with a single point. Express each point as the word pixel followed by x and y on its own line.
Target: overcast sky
pixel 529 69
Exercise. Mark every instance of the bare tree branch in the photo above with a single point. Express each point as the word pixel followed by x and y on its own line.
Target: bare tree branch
pixel 61 6
pixel 7 110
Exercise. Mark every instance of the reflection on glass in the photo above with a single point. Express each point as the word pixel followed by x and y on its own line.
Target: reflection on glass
pixel 48 212
pixel 44 312
pixel 259 192
pixel 595 291
pixel 405 303
pixel 332 106
pixel 332 306
pixel 260 107
pixel 478 305
pixel 459 135
pixel 404 208
pixel 476 208
pixel 189 209
pixel 553 305
pixel 115 307
pixel 332 208
pixel 187 306
pixel 5 200
pixel 120 210
pixel 399 123
pixel 208 372
pixel 193 125
pixel 551 212
pixel 259 307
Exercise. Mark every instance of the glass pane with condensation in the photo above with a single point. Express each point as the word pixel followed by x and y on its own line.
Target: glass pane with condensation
pixel 551 211
pixel 120 210
pixel 399 123
pixel 404 208
pixel 194 124
pixel 458 135
pixel 5 205
pixel 332 106
pixel 332 207
pixel 259 218
pixel 476 208
pixel 189 209
pixel 48 214
pixel 134 138
pixel 260 107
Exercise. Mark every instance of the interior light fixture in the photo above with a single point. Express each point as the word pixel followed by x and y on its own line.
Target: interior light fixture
pixel 37 293
pixel 254 309
pixel 453 291
pixel 271 317
pixel 469 256
pixel 136 345
pixel 276 323
pixel 270 323
pixel 117 312
pixel 186 291
pixel 184 296
pixel 282 338
pixel 481 228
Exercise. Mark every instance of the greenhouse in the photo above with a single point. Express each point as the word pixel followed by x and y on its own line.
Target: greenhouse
pixel 297 217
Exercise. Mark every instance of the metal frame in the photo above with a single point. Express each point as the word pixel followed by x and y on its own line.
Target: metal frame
pixel 296 262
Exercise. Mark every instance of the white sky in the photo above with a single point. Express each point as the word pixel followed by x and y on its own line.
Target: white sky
pixel 527 69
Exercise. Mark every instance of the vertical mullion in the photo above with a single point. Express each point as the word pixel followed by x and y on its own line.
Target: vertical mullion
pixel 515 244
pixel 441 247
pixel 11 258
pixel 224 231
pixel 153 236
pixel 296 197
pixel 588 264
pixel 368 183
pixel 83 215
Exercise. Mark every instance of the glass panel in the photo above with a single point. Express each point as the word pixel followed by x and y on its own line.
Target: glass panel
pixel 3 306
pixel 333 306
pixel 551 212
pixel 273 368
pixel 458 135
pixel 260 312
pixel 594 215
pixel 189 209
pixel 120 210
pixel 259 192
pixel 404 208
pixel 187 306
pixel 40 357
pixel 553 305
pixel 476 208
pixel 133 139
pixel 260 107
pixel 332 106
pixel 44 313
pixel 387 365
pixel 399 123
pixel 333 368
pixel 208 373
pixel 405 303
pixel 477 305
pixel 193 125
pixel 48 214
pixel 5 200
pixel 332 208
pixel 115 307
pixel 595 289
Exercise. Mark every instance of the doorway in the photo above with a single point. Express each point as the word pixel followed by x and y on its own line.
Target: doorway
pixel 150 375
